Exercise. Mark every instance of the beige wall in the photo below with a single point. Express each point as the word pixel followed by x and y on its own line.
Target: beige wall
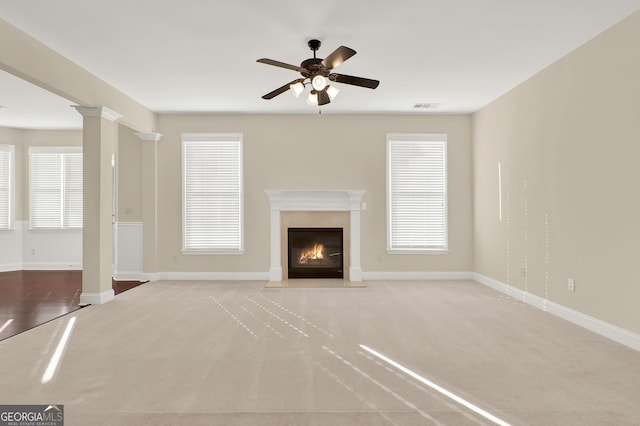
pixel 568 141
pixel 129 155
pixel 315 152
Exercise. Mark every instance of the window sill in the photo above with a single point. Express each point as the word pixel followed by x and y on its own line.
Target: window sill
pixel 417 251
pixel 211 252
pixel 55 229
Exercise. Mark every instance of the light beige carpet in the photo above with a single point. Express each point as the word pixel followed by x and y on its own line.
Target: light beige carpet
pixel 227 353
pixel 315 283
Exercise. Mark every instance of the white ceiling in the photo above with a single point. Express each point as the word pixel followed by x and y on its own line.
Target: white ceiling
pixel 200 55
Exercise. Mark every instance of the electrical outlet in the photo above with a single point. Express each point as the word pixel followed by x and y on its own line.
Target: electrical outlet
pixel 33 251
pixel 571 284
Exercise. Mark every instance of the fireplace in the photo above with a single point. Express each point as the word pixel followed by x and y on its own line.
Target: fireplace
pixel 315 252
pixel 330 208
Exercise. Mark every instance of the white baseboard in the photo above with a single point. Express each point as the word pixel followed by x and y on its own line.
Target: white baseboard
pixel 355 274
pixel 147 276
pixel 405 276
pixel 610 331
pixel 127 276
pixel 51 266
pixel 8 267
pixel 96 298
pixel 213 276
pixel 275 274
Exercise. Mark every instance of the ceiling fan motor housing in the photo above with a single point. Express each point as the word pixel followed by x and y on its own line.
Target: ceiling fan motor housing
pixel 312 67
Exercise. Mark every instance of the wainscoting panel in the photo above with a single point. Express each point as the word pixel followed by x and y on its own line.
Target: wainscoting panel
pixel 11 248
pixel 127 246
pixel 51 250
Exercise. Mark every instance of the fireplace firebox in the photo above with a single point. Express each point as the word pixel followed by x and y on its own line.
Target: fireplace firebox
pixel 315 253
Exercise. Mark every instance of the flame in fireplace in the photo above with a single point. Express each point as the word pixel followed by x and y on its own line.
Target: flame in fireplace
pixel 313 253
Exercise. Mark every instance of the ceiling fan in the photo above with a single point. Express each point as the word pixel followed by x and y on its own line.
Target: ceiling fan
pixel 318 73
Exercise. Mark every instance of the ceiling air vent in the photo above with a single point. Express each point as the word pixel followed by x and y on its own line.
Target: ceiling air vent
pixel 426 105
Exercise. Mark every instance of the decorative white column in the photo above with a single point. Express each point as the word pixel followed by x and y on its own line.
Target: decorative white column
pixel 149 204
pixel 315 200
pixel 355 270
pixel 275 272
pixel 99 141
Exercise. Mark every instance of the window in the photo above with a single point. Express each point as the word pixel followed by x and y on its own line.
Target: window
pixel 55 187
pixel 212 193
pixel 416 193
pixel 6 186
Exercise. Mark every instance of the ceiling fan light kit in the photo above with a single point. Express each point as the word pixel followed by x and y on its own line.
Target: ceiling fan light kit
pixel 317 73
pixel 319 82
pixel 296 88
pixel 313 98
pixel 332 91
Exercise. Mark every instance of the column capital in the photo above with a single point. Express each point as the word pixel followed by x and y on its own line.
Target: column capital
pixel 98 111
pixel 149 137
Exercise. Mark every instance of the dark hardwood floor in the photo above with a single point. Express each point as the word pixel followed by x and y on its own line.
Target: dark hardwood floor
pixel 31 298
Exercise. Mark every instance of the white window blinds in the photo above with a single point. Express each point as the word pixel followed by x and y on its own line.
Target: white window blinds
pixel 417 192
pixel 55 187
pixel 6 186
pixel 212 193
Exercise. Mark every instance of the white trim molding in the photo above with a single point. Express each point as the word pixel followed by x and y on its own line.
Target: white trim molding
pixel 146 276
pixel 149 137
pixel 96 298
pixel 605 329
pixel 300 200
pixel 9 267
pixel 98 111
pixel 52 266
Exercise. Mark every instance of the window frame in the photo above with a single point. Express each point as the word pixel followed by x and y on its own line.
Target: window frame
pixel 440 138
pixel 62 151
pixel 236 138
pixel 11 187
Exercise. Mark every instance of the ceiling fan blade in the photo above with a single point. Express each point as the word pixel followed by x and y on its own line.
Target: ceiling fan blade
pixel 323 97
pixel 337 57
pixel 356 81
pixel 279 90
pixel 280 64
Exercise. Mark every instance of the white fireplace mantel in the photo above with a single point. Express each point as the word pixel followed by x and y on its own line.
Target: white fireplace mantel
pixel 315 200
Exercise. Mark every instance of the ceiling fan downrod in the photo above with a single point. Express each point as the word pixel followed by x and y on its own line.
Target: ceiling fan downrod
pixel 314 45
